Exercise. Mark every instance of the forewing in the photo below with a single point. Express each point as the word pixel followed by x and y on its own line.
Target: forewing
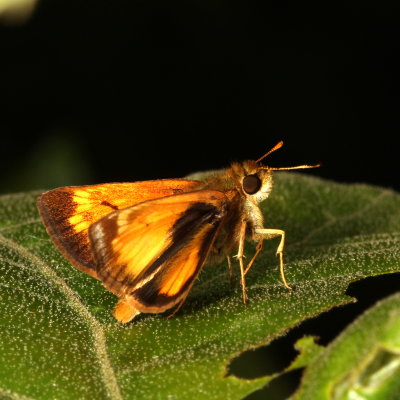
pixel 152 252
pixel 68 212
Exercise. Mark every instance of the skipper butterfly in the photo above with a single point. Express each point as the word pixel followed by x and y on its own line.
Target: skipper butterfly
pixel 148 241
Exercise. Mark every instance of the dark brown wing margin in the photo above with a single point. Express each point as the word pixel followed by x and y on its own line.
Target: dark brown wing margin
pixel 55 208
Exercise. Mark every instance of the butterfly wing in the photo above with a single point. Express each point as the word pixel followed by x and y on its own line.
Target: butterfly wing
pixel 151 253
pixel 68 212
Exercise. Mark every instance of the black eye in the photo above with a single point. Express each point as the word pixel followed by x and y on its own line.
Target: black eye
pixel 251 184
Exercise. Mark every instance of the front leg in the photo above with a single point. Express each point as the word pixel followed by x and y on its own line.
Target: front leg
pixel 240 256
pixel 269 234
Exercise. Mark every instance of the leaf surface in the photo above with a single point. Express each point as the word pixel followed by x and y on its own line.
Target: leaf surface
pixel 59 339
pixel 363 362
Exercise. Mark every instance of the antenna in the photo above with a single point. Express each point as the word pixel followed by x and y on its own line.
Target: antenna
pixel 276 147
pixel 295 167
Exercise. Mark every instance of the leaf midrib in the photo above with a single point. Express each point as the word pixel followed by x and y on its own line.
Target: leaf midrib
pixel 97 331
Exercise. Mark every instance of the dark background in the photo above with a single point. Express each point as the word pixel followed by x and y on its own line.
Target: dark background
pixel 96 91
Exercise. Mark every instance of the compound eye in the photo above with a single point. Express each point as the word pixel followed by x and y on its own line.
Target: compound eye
pixel 251 184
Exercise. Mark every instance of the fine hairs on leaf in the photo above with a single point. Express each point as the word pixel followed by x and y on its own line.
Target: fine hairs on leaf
pixel 363 361
pixel 59 339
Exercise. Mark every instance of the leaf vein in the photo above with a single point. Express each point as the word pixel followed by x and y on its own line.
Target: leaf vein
pixel 99 339
pixel 12 395
pixel 333 219
pixel 19 225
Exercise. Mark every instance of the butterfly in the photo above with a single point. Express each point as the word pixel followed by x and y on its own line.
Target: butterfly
pixel 148 241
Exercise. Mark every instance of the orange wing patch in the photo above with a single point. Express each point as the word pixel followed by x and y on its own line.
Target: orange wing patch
pixel 141 234
pixel 69 212
pixel 182 268
pixel 151 253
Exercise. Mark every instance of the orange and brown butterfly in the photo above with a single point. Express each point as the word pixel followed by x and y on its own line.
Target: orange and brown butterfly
pixel 148 241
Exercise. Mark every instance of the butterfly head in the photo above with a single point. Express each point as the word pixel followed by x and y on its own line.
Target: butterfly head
pixel 255 179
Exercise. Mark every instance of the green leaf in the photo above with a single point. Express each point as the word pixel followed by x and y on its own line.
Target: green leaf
pixel 59 339
pixel 361 363
pixel 309 351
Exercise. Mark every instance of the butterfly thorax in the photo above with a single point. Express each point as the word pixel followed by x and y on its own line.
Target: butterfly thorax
pixel 243 202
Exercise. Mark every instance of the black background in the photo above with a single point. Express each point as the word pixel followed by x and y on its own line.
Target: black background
pixel 96 91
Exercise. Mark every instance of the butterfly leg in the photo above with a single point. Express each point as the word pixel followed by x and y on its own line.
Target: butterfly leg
pixel 269 234
pixel 177 308
pixel 230 270
pixel 240 256
pixel 258 250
